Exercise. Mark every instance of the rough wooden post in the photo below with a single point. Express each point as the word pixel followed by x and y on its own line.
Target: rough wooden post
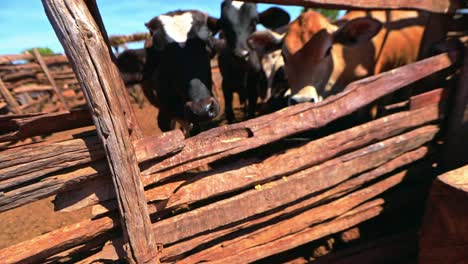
pixel 45 69
pixel 11 101
pixel 132 123
pixel 89 56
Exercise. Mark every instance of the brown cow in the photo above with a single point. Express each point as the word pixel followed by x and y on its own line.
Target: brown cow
pixel 322 57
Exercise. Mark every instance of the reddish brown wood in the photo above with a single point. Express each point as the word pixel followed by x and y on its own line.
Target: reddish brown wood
pixel 116 82
pixel 202 149
pixel 52 184
pixel 117 40
pixel 41 160
pixel 228 179
pixel 154 147
pixel 13 105
pixel 45 69
pixel 23 164
pixel 246 174
pixel 296 186
pixel 270 240
pixel 7 59
pixel 436 96
pixel 175 251
pixel 444 234
pixel 442 6
pixel 38 248
pixel 32 88
pixel 101 82
pixel 22 126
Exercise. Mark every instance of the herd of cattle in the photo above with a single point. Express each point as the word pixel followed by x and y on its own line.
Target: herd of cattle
pixel 305 60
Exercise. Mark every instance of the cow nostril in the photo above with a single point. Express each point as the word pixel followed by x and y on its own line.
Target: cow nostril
pixel 211 109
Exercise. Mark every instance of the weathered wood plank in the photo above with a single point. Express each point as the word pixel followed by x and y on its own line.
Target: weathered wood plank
pixel 270 240
pixel 234 177
pixel 32 88
pixel 36 161
pixel 154 147
pixel 116 83
pixel 51 185
pixel 99 79
pixel 45 69
pixel 19 165
pixel 40 247
pixel 117 40
pixel 13 105
pixel 441 6
pixel 176 251
pixel 296 186
pixel 256 132
pixel 6 59
pixel 17 127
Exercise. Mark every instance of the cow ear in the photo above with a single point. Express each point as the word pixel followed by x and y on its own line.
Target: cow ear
pixel 265 40
pixel 357 31
pixel 213 24
pixel 274 17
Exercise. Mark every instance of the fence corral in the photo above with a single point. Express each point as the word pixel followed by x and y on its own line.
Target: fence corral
pixel 364 183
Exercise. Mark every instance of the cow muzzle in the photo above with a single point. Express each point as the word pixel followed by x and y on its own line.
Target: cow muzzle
pixel 307 94
pixel 242 53
pixel 202 110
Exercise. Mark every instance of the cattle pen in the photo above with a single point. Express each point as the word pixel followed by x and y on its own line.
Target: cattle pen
pixel 362 194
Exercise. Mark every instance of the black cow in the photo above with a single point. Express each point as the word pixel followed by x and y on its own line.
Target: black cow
pixel 239 63
pixel 175 67
pixel 131 64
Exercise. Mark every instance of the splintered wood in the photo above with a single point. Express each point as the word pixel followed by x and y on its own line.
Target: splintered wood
pixel 115 123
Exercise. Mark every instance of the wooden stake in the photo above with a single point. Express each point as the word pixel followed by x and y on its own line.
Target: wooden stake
pixel 58 90
pixel 11 101
pixel 90 58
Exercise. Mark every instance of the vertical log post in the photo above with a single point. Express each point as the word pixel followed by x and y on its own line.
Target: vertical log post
pixel 89 55
pixel 11 101
pixel 45 69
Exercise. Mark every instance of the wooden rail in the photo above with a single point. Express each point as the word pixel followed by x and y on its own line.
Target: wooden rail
pixel 440 6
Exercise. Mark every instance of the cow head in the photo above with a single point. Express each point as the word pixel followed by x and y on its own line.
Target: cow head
pixel 313 54
pixel 239 20
pixel 180 49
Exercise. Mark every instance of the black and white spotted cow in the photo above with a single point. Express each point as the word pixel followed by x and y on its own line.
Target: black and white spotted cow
pixel 239 62
pixel 176 71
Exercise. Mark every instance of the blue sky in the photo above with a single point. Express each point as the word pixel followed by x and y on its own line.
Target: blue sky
pixel 23 24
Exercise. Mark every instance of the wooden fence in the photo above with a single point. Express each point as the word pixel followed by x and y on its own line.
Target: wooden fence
pixel 151 204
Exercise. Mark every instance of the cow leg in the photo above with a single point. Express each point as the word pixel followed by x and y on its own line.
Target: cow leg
pixel 227 91
pixel 252 94
pixel 164 121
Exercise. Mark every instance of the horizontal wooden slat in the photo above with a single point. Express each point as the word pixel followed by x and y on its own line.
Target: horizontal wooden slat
pixel 23 126
pixel 230 178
